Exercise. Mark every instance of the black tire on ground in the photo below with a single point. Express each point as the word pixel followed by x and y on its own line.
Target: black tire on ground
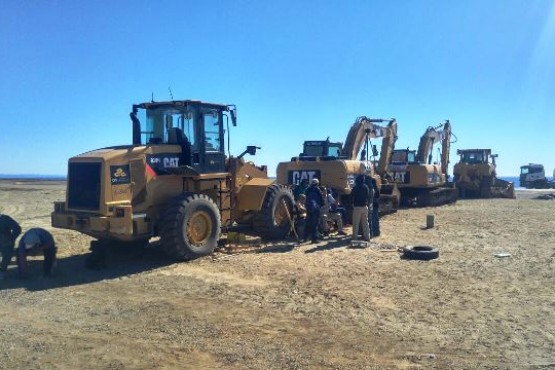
pixel 272 221
pixel 190 227
pixel 421 252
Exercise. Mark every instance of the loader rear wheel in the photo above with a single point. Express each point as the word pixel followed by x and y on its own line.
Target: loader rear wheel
pixel 190 227
pixel 274 219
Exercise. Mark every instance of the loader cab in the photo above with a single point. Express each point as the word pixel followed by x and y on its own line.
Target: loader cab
pixel 197 128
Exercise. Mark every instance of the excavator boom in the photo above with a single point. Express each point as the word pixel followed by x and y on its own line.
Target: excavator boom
pixel 364 128
pixel 388 145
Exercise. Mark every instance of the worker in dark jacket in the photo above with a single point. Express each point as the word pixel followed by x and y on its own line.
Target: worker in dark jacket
pixel 375 219
pixel 362 201
pixel 34 242
pixel 9 231
pixel 314 202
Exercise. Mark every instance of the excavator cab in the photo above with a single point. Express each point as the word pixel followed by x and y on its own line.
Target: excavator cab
pixel 319 148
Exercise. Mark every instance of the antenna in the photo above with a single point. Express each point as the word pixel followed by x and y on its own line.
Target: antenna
pixel 152 97
pixel 170 90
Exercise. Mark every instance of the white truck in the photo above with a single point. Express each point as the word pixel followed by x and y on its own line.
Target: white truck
pixel 532 176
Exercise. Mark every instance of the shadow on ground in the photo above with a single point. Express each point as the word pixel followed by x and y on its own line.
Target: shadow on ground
pixel 71 270
pixel 330 243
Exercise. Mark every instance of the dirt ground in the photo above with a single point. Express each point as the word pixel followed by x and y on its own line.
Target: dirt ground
pixel 321 306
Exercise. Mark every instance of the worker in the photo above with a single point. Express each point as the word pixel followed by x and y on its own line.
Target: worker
pixel 375 216
pixel 362 201
pixel 300 188
pixel 9 231
pixel 314 202
pixel 34 242
pixel 300 216
pixel 330 215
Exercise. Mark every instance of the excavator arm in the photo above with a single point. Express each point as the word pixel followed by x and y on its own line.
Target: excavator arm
pixel 434 135
pixel 445 147
pixel 388 145
pixel 363 129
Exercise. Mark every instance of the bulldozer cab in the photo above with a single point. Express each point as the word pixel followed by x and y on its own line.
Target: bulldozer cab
pixel 475 156
pixel 197 127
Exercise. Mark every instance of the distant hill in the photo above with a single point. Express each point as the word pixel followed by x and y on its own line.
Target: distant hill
pixel 32 176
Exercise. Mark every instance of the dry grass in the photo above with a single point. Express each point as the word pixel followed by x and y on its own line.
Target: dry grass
pixel 319 306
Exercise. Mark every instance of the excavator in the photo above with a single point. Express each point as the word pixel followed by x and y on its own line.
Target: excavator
pixel 421 182
pixel 336 165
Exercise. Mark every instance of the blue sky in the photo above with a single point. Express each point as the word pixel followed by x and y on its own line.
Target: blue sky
pixel 297 70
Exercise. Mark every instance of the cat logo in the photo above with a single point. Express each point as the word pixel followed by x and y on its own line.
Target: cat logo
pixel 120 173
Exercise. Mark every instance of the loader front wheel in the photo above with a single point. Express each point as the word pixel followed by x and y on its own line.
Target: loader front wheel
pixel 273 221
pixel 190 227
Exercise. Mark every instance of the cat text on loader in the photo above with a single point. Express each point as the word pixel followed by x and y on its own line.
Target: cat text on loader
pixel 336 165
pixel 421 182
pixel 475 176
pixel 175 182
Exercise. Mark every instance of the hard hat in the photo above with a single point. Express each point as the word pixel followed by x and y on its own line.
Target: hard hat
pixel 315 181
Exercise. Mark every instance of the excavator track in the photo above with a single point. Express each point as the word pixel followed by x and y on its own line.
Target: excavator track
pixel 437 197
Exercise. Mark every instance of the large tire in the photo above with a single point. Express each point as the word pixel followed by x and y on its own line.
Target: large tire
pixel 190 227
pixel 273 220
pixel 421 252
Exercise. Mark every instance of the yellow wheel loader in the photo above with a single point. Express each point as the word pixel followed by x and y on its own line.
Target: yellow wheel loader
pixel 336 165
pixel 475 176
pixel 174 181
pixel 421 182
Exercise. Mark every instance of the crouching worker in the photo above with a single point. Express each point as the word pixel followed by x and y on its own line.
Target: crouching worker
pixel 9 231
pixel 34 242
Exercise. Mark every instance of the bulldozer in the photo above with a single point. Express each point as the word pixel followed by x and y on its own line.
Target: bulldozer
pixel 421 182
pixel 174 181
pixel 475 176
pixel 336 165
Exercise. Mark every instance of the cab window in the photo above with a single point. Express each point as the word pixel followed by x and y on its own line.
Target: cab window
pixel 212 141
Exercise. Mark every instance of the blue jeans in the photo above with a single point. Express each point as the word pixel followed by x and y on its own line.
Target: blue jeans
pixel 311 226
pixel 7 254
pixel 375 223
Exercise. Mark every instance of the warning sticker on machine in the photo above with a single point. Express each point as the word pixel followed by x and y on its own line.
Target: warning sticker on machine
pixel 120 174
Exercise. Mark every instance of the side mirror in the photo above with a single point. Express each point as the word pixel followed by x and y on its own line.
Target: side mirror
pixel 251 149
pixel 233 114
